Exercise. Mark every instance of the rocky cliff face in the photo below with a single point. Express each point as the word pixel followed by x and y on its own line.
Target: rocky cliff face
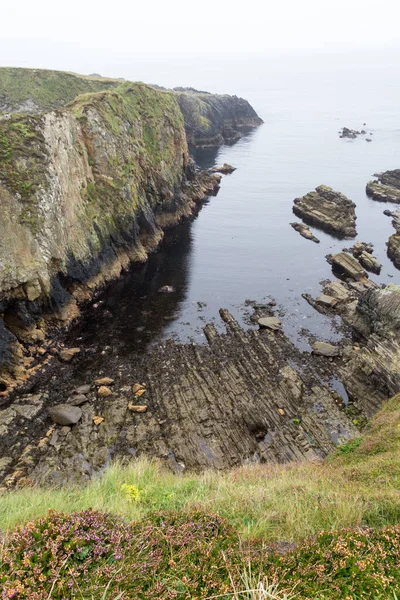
pixel 83 192
pixel 210 119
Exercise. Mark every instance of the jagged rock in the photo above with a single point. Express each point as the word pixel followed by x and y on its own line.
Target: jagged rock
pixel 305 232
pixel 360 247
pixel 388 212
pixel 350 133
pixel 373 374
pixel 393 249
pixel 104 391
pixel 387 188
pixel 103 381
pixel 324 349
pixel 326 300
pixel 396 220
pixel 331 211
pixel 68 354
pixel 138 388
pixel 369 262
pixel 65 414
pixel 348 266
pixel 337 290
pixel 270 323
pixel 225 169
pixel 28 411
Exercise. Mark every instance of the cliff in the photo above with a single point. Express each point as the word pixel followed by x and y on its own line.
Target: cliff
pixel 84 191
pixel 210 119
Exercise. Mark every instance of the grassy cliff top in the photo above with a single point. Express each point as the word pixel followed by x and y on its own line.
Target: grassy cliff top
pixel 45 89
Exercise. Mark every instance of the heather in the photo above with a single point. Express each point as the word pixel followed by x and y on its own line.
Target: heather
pixel 139 531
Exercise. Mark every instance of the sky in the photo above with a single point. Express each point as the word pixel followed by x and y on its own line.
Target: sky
pixel 106 36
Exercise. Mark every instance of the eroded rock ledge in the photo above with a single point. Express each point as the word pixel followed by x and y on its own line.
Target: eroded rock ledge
pixel 386 188
pixel 194 407
pixel 84 191
pixel 329 210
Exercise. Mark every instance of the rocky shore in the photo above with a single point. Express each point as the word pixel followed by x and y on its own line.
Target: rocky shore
pixel 331 211
pixel 386 188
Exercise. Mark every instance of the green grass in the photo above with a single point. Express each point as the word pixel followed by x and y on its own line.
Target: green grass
pixel 152 534
pixel 47 89
pixel 358 487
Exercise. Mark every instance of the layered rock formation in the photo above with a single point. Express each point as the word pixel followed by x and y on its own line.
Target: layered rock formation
pixel 196 407
pixel 84 191
pixel 386 188
pixel 331 211
pixel 212 120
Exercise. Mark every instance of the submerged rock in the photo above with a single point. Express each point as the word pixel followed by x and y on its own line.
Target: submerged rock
pixel 270 323
pixel 387 188
pixel 331 211
pixel 305 232
pixel 325 349
pixel 65 414
pixel 351 133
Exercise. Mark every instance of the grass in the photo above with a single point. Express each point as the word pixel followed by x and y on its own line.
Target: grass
pixel 356 487
pixel 46 88
pixel 152 534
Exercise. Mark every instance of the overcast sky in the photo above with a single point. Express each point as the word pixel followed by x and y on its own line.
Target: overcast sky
pixel 85 35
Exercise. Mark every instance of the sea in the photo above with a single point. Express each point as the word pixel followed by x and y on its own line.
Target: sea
pixel 241 249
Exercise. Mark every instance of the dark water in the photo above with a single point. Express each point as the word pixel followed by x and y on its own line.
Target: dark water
pixel 241 245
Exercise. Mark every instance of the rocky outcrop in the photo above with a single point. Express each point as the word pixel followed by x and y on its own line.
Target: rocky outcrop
pixel 363 252
pixel 373 374
pixel 351 133
pixel 331 211
pixel 304 231
pixel 393 249
pixel 232 401
pixel 212 120
pixel 83 192
pixel 386 188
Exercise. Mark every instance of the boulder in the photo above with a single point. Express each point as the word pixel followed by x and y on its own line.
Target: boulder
pixel 65 414
pixel 225 169
pixel 68 354
pixel 331 211
pixel 325 349
pixel 348 266
pixel 370 262
pixel 270 323
pixel 82 389
pixel 77 400
pixel 304 231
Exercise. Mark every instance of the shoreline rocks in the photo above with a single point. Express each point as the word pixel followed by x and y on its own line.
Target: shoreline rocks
pixel 331 211
pixel 393 249
pixel 305 232
pixel 386 188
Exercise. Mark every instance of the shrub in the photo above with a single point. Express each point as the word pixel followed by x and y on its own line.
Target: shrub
pixel 343 565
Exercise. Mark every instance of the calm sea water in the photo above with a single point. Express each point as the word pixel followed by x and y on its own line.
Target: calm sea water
pixel 241 245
